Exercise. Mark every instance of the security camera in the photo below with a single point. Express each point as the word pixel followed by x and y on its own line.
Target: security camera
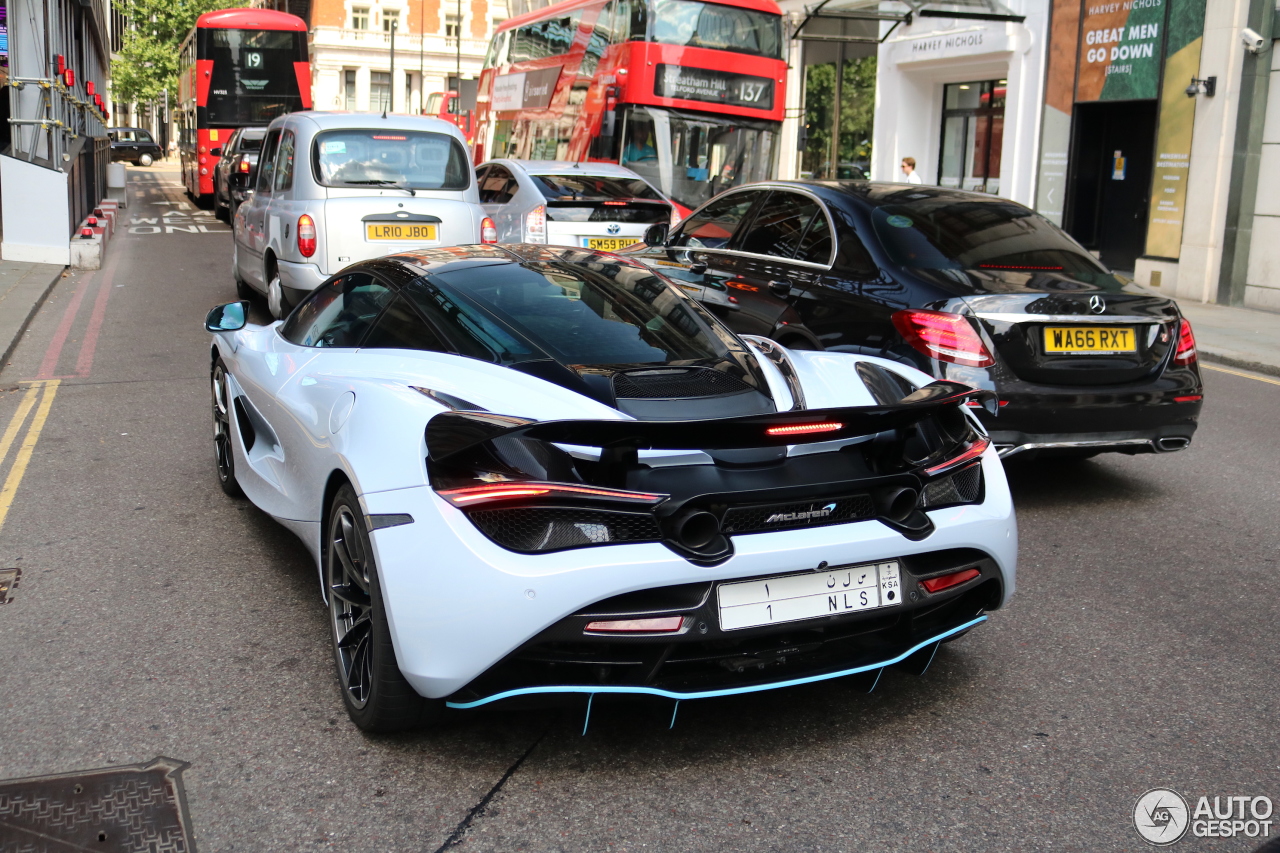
pixel 1253 42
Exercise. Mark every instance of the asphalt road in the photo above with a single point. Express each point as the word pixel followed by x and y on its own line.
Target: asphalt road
pixel 156 617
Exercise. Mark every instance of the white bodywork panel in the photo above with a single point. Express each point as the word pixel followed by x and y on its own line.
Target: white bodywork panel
pixel 320 411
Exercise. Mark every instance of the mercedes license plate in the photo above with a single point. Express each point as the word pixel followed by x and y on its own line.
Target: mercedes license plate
pixel 404 231
pixel 1090 339
pixel 608 244
pixel 808 595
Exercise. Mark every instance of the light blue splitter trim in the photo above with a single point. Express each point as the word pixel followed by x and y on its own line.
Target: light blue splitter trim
pixel 709 694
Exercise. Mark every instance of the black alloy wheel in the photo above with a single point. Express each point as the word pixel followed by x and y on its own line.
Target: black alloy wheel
pixel 223 458
pixel 376 695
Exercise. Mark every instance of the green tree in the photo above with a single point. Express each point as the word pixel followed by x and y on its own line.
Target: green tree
pixel 148 60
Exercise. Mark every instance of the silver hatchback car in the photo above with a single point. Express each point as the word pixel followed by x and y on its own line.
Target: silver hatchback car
pixel 588 205
pixel 332 189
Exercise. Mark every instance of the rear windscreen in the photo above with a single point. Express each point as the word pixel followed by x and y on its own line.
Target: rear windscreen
pixel 580 316
pixel 410 159
pixel 943 233
pixel 593 188
pixel 253 78
pixel 252 143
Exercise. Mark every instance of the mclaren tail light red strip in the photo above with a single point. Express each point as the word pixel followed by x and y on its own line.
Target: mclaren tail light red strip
pixel 804 429
pixel 473 495
pixel 976 449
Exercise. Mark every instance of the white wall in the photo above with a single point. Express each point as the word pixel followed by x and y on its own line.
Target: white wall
pixel 1262 286
pixel 917 61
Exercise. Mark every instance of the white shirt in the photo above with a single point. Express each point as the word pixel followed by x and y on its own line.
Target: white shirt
pixel 914 178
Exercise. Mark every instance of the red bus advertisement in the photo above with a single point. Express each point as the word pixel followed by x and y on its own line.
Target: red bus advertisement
pixel 689 94
pixel 240 68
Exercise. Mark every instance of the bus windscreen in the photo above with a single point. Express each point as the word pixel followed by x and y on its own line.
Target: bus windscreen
pixel 253 78
pixel 690 23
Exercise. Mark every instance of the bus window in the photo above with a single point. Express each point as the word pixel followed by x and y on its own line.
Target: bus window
pixel 253 78
pixel 695 24
pixel 433 103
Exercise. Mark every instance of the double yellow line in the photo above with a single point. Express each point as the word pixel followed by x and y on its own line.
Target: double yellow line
pixel 44 391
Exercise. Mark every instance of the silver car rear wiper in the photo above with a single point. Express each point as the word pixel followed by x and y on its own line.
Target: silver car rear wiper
pixel 395 185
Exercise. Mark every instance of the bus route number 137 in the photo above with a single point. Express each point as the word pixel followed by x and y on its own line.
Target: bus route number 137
pixel 751 92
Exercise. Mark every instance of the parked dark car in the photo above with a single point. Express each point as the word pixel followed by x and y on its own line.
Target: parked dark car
pixel 133 145
pixel 965 286
pixel 236 163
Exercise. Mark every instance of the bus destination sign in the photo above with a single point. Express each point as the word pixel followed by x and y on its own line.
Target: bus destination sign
pixel 717 87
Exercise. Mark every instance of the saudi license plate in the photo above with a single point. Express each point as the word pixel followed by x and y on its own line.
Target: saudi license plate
pixel 1090 339
pixel 608 244
pixel 405 231
pixel 809 595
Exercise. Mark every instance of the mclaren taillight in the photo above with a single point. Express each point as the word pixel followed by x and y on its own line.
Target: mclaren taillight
pixel 517 490
pixel 244 166
pixel 1186 353
pixel 658 625
pixel 306 235
pixel 944 336
pixel 975 449
pixel 804 429
pixel 535 225
pixel 488 231
pixel 938 584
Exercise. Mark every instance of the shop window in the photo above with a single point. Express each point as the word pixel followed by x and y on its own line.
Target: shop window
pixel 972 135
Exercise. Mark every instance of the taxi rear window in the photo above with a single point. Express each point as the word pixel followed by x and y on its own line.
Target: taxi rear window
pixel 410 159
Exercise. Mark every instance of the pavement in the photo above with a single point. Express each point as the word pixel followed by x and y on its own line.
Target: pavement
pixel 23 288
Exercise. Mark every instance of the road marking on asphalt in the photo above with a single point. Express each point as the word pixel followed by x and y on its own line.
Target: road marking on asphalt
pixel 23 457
pixel 18 419
pixel 1241 373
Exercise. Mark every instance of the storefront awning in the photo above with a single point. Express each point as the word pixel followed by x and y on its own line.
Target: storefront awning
pixel 896 11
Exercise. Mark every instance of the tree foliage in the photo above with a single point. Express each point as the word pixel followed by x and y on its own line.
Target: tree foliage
pixel 857 112
pixel 148 60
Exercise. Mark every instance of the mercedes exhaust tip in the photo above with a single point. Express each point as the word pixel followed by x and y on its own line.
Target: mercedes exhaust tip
pixel 1170 444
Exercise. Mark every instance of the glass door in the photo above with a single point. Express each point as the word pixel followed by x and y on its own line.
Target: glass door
pixel 972 136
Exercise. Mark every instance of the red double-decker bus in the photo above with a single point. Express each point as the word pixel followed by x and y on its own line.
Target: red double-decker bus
pixel 687 93
pixel 240 68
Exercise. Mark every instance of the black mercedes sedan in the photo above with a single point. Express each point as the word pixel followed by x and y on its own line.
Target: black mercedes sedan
pixel 965 286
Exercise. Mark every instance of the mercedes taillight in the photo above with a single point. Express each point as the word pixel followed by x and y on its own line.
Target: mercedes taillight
pixel 1186 353
pixel 944 336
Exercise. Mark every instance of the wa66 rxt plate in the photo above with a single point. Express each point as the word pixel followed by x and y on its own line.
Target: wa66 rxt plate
pixel 140 807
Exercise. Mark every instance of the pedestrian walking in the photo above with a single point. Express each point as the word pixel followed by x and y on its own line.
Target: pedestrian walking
pixel 909 169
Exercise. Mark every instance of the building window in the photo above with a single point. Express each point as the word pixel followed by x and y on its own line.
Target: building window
pixel 972 135
pixel 390 17
pixel 359 17
pixel 379 91
pixel 349 90
pixel 451 26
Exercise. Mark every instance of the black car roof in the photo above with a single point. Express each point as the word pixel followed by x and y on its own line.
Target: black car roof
pixel 433 261
pixel 878 193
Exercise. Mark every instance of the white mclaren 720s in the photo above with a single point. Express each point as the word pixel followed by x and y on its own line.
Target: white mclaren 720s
pixel 529 470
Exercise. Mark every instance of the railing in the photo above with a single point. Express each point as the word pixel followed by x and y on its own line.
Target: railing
pixel 59 114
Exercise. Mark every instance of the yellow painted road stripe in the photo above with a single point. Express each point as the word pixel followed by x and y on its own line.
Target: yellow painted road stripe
pixel 19 418
pixel 1239 373
pixel 28 447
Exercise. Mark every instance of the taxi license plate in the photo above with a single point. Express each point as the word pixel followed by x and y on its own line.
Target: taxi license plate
pixel 404 231
pixel 809 595
pixel 608 244
pixel 1090 339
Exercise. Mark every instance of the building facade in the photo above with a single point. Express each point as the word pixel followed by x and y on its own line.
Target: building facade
pixel 435 42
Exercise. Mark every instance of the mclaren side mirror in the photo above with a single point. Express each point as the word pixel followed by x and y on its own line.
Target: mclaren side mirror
pixel 656 235
pixel 227 318
pixel 215 152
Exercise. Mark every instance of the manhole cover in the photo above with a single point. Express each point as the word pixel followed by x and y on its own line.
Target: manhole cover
pixel 138 808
